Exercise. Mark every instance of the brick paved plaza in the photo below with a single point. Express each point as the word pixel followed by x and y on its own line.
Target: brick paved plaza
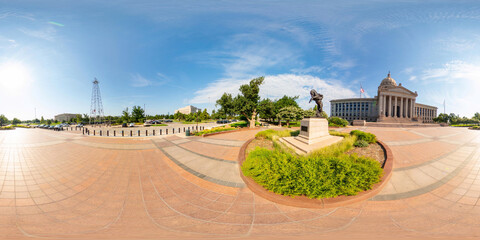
pixel 62 185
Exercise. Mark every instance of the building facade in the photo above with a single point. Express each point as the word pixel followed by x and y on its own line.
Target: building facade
pixel 393 103
pixel 188 109
pixel 67 117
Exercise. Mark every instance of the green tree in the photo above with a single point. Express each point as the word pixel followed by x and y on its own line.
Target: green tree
pixel 78 118
pixel 204 115
pixel 179 116
pixel 49 121
pixel 226 105
pixel 16 121
pixel 266 109
pixel 476 116
pixel 441 118
pixel 3 120
pixel 138 113
pixel 246 103
pixel 290 113
pixel 285 101
pixel 125 115
pixel 42 120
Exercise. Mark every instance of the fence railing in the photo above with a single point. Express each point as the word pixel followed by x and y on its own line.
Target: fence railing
pixel 138 133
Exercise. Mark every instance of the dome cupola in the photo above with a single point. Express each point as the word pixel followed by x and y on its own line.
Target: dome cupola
pixel 388 81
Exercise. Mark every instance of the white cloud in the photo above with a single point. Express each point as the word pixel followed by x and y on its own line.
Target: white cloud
pixel 412 78
pixel 140 81
pixel 311 69
pixel 344 64
pixel 276 86
pixel 48 33
pixel 457 82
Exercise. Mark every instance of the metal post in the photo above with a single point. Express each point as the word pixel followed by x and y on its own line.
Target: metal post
pixel 114 133
pixel 108 133
pixel 166 131
pixel 100 132
pixel 153 132
pixel 146 132
pixel 130 133
pixel 139 133
pixel 173 130
pixel 160 132
pixel 94 132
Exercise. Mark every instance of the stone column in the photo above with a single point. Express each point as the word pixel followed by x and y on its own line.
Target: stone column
pixel 413 105
pixel 395 107
pixel 408 107
pixel 401 107
pixel 389 105
pixel 384 105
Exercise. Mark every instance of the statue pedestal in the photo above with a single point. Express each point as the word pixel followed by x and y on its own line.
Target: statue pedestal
pixel 312 130
pixel 313 135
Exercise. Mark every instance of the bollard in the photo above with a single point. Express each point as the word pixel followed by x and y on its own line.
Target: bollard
pixel 146 132
pixel 183 129
pixel 160 132
pixel 179 130
pixel 138 133
pixel 153 132
pixel 173 130
pixel 100 132
pixel 130 133
pixel 108 133
pixel 93 132
pixel 122 134
pixel 166 131
pixel 114 133
pixel 83 132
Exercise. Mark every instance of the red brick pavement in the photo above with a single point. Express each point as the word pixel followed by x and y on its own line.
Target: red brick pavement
pixel 73 191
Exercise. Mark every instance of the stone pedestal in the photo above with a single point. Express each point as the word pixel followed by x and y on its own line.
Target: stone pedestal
pixel 312 130
pixel 313 135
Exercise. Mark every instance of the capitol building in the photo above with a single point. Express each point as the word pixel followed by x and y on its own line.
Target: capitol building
pixel 393 104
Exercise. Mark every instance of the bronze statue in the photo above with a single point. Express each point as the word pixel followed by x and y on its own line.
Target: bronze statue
pixel 317 97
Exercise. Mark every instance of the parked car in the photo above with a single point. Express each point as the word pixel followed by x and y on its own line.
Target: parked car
pixel 124 124
pixel 168 120
pixel 131 125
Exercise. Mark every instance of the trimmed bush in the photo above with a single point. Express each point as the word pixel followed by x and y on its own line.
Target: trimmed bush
pixel 337 122
pixel 314 176
pixel 361 143
pixel 214 130
pixel 368 137
pixel 270 134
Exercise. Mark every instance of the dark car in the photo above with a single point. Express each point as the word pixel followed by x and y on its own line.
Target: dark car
pixel 124 124
pixel 168 121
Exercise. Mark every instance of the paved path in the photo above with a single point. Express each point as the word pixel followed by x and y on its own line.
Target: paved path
pixel 59 185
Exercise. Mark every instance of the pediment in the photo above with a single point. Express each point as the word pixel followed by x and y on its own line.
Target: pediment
pixel 399 89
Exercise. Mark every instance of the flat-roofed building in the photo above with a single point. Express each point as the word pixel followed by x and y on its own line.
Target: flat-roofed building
pixel 393 103
pixel 188 109
pixel 67 117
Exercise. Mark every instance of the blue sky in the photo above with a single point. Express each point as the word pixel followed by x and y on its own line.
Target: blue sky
pixel 169 54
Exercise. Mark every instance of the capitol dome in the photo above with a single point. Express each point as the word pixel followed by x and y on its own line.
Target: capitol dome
pixel 388 81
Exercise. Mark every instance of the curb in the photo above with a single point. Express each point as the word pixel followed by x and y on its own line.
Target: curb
pixel 305 202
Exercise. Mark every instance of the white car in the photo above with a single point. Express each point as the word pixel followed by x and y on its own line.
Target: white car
pixel 131 125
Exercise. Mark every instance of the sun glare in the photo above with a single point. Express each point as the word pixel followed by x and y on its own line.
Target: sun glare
pixel 14 75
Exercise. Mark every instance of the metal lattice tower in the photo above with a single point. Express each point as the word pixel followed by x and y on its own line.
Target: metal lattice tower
pixel 96 107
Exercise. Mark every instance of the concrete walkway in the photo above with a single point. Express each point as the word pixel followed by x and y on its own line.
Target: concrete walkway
pixel 59 185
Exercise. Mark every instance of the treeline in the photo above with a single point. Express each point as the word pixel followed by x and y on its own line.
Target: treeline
pixel 454 119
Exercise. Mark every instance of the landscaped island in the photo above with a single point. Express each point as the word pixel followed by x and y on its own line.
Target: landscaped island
pixel 325 173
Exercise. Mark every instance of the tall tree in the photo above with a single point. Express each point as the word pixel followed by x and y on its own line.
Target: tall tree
pixel 477 116
pixel 3 120
pixel 290 113
pixel 125 115
pixel 266 109
pixel 246 103
pixel 285 101
pixel 226 105
pixel 138 113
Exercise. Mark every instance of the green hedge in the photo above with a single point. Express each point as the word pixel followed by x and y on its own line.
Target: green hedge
pixel 314 176
pixel 214 130
pixel 337 122
pixel 368 137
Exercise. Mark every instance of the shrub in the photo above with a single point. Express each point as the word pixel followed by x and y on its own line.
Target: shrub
pixel 314 176
pixel 239 124
pixel 214 130
pixel 361 143
pixel 368 137
pixel 336 149
pixel 338 134
pixel 337 122
pixel 270 134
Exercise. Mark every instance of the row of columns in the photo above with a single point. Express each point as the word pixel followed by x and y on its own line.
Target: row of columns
pixel 390 104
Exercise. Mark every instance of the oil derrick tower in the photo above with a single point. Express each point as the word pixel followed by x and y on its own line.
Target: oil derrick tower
pixel 96 107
